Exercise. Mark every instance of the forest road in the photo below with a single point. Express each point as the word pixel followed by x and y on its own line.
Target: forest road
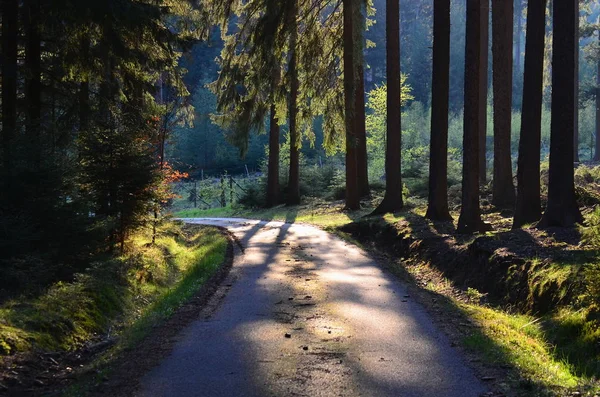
pixel 307 314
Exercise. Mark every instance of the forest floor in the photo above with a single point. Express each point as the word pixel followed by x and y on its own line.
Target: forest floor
pixel 522 301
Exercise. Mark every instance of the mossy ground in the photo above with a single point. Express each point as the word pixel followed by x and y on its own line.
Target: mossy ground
pixel 126 294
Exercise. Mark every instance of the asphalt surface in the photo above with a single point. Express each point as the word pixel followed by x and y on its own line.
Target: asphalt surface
pixel 307 314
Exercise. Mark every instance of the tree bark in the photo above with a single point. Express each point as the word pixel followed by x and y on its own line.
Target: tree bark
pixel 273 170
pixel 393 201
pixel 33 81
pixel 576 88
pixel 350 74
pixel 597 148
pixel 10 16
pixel 293 196
pixel 470 214
pixel 503 193
pixel 529 207
pixel 362 166
pixel 483 88
pixel 562 209
pixel 437 208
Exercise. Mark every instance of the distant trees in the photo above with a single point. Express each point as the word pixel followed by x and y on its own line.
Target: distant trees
pixel 437 208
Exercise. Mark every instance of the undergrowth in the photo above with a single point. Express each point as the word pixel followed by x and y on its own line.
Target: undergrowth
pixel 131 292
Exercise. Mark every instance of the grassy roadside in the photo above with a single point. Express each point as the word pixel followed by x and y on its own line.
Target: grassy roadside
pixel 554 353
pixel 119 299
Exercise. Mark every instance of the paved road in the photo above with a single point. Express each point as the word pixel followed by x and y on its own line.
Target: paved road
pixel 351 329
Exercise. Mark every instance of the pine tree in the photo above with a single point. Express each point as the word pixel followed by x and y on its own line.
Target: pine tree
pixel 393 200
pixel 528 207
pixel 503 193
pixel 470 214
pixel 437 208
pixel 562 209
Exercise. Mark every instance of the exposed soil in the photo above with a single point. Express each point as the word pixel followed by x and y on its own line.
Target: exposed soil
pixel 48 373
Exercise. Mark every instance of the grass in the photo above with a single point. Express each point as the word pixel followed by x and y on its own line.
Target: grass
pixel 131 293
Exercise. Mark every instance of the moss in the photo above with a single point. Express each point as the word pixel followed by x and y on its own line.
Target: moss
pixel 69 314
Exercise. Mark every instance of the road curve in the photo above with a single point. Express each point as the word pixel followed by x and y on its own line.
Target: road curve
pixel 307 314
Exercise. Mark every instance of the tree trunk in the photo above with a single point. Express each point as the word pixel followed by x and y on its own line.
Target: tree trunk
pixel 502 38
pixel 293 196
pixel 362 166
pixel 576 88
pixel 529 207
pixel 470 215
pixel 10 16
pixel 438 165
pixel 562 209
pixel 393 201
pixel 483 87
pixel 33 82
pixel 597 151
pixel 273 171
pixel 352 192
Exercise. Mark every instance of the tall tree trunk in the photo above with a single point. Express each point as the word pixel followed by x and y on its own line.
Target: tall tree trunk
pixel 293 196
pixel 483 87
pixel 393 201
pixel 438 165
pixel 10 16
pixel 576 88
pixel 273 171
pixel 470 214
pixel 562 209
pixel 597 148
pixel 502 38
pixel 33 82
pixel 362 166
pixel 350 74
pixel 529 207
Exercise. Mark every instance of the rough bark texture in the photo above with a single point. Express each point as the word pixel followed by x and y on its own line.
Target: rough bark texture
pixel 10 10
pixel 597 151
pixel 352 192
pixel 529 206
pixel 503 193
pixel 484 27
pixel 362 166
pixel 576 88
pixel 437 208
pixel 392 201
pixel 470 214
pixel 293 194
pixel 562 209
pixel 273 171
pixel 33 82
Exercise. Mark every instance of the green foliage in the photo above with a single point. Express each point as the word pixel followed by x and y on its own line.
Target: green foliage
pixel 140 288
